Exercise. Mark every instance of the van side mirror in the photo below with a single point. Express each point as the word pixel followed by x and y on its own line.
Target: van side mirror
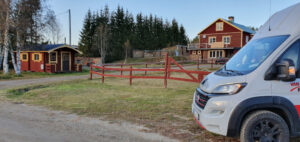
pixel 286 70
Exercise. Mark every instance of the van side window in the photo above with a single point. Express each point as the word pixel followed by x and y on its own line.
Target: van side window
pixel 292 53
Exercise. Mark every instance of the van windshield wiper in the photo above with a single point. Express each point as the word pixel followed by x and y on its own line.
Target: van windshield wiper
pixel 234 71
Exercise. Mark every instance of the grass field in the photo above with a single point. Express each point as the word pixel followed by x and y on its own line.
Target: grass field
pixel 31 75
pixel 146 102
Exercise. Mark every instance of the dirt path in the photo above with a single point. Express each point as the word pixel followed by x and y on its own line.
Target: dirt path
pixel 15 83
pixel 23 123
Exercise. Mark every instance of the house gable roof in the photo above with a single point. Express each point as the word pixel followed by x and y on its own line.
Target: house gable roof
pixel 233 24
pixel 48 48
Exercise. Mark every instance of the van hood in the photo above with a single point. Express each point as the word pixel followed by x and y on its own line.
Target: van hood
pixel 212 81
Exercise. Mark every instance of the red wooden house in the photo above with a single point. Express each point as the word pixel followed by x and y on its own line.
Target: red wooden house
pixel 221 39
pixel 49 58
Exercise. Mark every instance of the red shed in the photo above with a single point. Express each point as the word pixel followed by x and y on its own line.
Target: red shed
pixel 49 58
pixel 222 39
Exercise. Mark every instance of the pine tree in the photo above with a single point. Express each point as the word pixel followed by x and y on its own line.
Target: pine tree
pixel 142 32
pixel 86 42
pixel 182 36
pixel 175 32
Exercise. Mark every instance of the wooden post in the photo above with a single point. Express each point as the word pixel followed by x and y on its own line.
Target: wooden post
pixel 166 70
pixel 130 75
pixel 198 64
pixel 200 77
pixel 121 70
pixel 146 68
pixel 169 67
pixel 103 73
pixel 91 72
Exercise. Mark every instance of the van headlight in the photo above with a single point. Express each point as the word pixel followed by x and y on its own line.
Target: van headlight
pixel 229 88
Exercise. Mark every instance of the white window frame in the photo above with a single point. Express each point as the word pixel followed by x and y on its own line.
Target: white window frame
pixel 219 26
pixel 211 42
pixel 226 39
pixel 216 54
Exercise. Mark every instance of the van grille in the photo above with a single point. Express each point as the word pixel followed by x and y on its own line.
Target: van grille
pixel 201 99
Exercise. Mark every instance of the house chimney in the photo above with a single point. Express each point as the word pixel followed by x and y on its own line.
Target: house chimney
pixel 231 19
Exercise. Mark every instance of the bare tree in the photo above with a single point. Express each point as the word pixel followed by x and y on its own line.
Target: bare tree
pixel 102 37
pixel 52 27
pixel 126 47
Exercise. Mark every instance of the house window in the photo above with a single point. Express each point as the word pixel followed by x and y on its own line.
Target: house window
pixel 247 39
pixel 24 56
pixel 216 54
pixel 211 40
pixel 194 52
pixel 199 52
pixel 219 26
pixel 226 39
pixel 53 57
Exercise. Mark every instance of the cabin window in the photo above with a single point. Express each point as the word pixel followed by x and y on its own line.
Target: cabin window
pixel 24 57
pixel 37 57
pixel 219 26
pixel 226 39
pixel 212 40
pixel 247 39
pixel 53 57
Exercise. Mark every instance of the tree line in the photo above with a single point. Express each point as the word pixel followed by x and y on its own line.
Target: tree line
pixel 113 35
pixel 23 23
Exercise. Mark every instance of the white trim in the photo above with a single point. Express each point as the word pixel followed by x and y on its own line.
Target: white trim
pixel 65 46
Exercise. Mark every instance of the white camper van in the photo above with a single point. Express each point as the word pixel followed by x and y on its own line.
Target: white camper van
pixel 256 95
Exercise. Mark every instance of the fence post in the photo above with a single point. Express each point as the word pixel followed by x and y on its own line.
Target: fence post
pixel 122 70
pixel 103 73
pixel 169 67
pixel 91 72
pixel 146 68
pixel 198 63
pixel 130 75
pixel 166 70
pixel 200 77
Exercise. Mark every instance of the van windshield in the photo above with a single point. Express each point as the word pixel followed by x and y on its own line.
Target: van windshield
pixel 253 54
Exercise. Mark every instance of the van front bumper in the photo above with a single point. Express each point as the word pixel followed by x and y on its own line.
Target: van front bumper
pixel 214 116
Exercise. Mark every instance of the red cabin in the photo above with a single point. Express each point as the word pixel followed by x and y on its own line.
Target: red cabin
pixel 50 58
pixel 222 39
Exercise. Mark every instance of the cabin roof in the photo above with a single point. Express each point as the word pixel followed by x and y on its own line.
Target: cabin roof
pixel 48 48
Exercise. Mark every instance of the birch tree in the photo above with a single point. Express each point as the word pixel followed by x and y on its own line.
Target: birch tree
pixel 7 8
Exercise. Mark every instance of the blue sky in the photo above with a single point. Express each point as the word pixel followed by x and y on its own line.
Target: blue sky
pixel 194 15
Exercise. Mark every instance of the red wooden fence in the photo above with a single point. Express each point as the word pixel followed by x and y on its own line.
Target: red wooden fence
pixel 167 71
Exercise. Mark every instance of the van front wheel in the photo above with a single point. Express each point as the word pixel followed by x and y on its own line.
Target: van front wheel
pixel 264 126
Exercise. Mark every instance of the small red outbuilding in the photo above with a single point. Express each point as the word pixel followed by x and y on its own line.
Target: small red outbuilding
pixel 49 58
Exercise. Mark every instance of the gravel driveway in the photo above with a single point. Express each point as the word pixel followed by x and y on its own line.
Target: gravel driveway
pixel 23 123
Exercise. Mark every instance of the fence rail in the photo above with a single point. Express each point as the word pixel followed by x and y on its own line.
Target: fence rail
pixel 167 70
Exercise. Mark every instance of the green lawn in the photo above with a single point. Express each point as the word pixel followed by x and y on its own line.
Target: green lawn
pixel 146 102
pixel 30 75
